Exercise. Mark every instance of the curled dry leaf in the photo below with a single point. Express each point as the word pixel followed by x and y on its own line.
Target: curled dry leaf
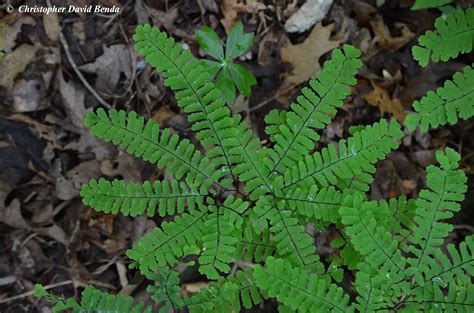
pixel 384 39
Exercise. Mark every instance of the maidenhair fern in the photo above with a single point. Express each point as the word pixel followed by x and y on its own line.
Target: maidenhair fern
pixel 239 211
pixel 454 35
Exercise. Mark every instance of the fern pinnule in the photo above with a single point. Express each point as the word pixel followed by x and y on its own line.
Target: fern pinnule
pixel 445 189
pixel 449 103
pixel 355 155
pixel 164 149
pixel 298 289
pixel 313 110
pixel 371 239
pixel 161 197
pixel 164 245
pixel 194 92
pixel 454 35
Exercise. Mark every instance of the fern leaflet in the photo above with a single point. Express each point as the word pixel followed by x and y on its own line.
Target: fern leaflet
pixel 452 101
pixel 454 35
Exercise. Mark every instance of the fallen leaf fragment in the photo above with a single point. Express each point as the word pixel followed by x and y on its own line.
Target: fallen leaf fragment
pixel 304 57
pixel 14 63
pixel 380 98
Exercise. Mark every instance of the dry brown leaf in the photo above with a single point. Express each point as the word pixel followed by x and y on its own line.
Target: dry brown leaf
pixel 109 67
pixel 305 56
pixel 380 98
pixel 231 9
pixel 73 100
pixel 11 215
pixel 14 63
pixel 384 38
pixel 163 114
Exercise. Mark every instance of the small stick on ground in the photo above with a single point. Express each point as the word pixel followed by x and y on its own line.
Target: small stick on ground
pixel 79 74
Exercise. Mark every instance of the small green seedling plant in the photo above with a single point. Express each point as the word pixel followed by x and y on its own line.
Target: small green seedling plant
pixel 240 211
pixel 228 75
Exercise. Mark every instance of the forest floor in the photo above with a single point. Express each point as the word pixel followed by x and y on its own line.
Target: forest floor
pixel 47 235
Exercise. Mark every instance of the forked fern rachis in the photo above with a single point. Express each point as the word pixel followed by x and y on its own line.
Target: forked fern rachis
pixel 286 186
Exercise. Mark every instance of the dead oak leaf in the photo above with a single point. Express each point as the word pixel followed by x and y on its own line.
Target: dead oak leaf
pixel 384 38
pixel 304 57
pixel 380 98
pixel 14 63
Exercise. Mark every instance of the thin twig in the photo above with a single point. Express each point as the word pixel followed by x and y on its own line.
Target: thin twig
pixel 265 102
pixel 29 293
pixel 79 74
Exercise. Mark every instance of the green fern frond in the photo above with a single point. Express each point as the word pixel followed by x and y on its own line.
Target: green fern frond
pixel 371 239
pixel 425 4
pixel 253 246
pixel 369 287
pixel 214 299
pixel 449 103
pixel 194 92
pixel 432 298
pixel 251 172
pixel 161 197
pixel 166 244
pixel 454 35
pixel 93 300
pixel 352 157
pixel 219 244
pixel 456 266
pixel 167 291
pixel 145 140
pixel 296 288
pixel 322 204
pixel 313 109
pixel 445 189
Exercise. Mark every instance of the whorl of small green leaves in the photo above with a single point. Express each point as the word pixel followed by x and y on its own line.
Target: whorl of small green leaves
pixel 454 35
pixel 449 103
pixel 296 288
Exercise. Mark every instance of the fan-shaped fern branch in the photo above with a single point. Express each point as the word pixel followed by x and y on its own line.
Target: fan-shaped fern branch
pixel 195 93
pixel 162 197
pixel 313 109
pixel 370 238
pixel 452 101
pixel 164 149
pixel 215 299
pixel 167 291
pixel 296 288
pixel 356 155
pixel 445 189
pixel 454 35
pixel 165 245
